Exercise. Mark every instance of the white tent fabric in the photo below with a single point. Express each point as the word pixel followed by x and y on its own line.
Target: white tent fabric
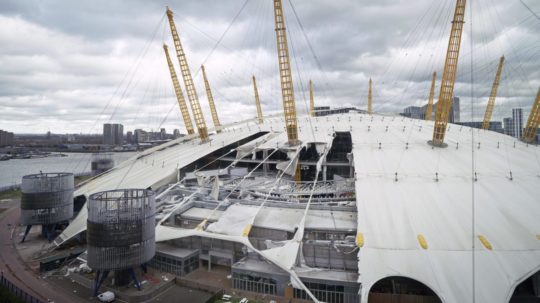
pixel 404 188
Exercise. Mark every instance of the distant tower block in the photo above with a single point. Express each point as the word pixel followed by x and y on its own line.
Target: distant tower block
pixel 120 232
pixel 47 200
pixel 101 163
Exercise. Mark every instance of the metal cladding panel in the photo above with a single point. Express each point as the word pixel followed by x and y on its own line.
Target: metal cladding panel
pixel 120 230
pixel 47 198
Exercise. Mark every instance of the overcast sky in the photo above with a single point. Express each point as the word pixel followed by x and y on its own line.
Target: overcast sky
pixel 70 66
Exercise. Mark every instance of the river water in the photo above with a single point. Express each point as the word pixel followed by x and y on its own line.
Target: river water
pixel 12 171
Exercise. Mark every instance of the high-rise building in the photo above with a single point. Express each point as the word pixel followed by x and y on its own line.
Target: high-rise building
pixel 163 134
pixel 415 112
pixel 140 136
pixel 176 133
pixel 508 126
pixel 495 126
pixel 6 138
pixel 129 137
pixel 113 134
pixel 517 119
pixel 454 111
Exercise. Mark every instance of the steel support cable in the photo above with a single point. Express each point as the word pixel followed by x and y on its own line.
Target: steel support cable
pixel 438 19
pixel 237 185
pixel 473 162
pixel 530 10
pixel 312 50
pixel 301 83
pixel 513 50
pixel 133 67
pixel 222 36
pixel 410 35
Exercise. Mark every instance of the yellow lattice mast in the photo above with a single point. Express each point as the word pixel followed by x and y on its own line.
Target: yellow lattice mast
pixel 311 100
pixel 533 122
pixel 257 101
pixel 369 97
pixel 179 94
pixel 493 95
pixel 449 75
pixel 429 107
pixel 287 90
pixel 188 80
pixel 210 97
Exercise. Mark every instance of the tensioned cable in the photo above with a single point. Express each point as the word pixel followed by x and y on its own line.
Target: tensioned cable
pixel 473 163
pixel 529 9
pixel 131 71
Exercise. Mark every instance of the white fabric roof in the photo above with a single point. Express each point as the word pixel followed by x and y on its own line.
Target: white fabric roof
pixel 285 219
pixel 391 214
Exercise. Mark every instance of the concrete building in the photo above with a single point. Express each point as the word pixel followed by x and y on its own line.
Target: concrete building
pixel 414 112
pixel 364 220
pixel 6 138
pixel 493 125
pixel 140 136
pixel 517 122
pixel 508 126
pixel 419 112
pixel 113 134
pixel 176 133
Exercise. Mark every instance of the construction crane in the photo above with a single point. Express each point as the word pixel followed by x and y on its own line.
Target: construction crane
pixel 493 95
pixel 210 97
pixel 311 100
pixel 449 75
pixel 369 97
pixel 179 95
pixel 188 81
pixel 533 122
pixel 257 101
pixel 429 107
pixel 287 89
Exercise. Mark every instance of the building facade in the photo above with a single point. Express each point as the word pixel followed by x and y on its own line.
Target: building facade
pixel 517 122
pixel 113 134
pixel 6 138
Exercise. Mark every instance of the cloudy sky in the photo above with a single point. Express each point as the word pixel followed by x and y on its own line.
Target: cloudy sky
pixel 70 66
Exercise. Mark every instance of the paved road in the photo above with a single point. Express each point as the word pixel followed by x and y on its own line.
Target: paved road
pixel 18 273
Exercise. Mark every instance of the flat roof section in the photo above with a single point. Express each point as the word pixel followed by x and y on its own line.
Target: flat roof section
pixel 178 252
pixel 285 219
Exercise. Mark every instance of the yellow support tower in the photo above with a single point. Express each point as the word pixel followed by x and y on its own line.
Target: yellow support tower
pixel 188 80
pixel 311 100
pixel 210 97
pixel 534 121
pixel 179 94
pixel 257 101
pixel 449 75
pixel 429 107
pixel 493 95
pixel 369 97
pixel 287 89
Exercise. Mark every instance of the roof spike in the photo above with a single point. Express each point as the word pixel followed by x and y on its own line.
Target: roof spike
pixel 178 91
pixel 493 95
pixel 217 124
pixel 429 108
pixel 257 101
pixel 311 100
pixel 533 122
pixel 188 80
pixel 370 97
pixel 449 75
pixel 287 88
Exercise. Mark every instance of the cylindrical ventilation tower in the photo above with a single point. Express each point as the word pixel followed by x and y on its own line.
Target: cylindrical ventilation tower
pixel 120 231
pixel 47 199
pixel 101 162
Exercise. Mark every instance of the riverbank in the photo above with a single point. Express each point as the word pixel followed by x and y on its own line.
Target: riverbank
pixel 79 164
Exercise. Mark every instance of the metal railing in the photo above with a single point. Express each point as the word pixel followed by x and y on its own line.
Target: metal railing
pixel 18 292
